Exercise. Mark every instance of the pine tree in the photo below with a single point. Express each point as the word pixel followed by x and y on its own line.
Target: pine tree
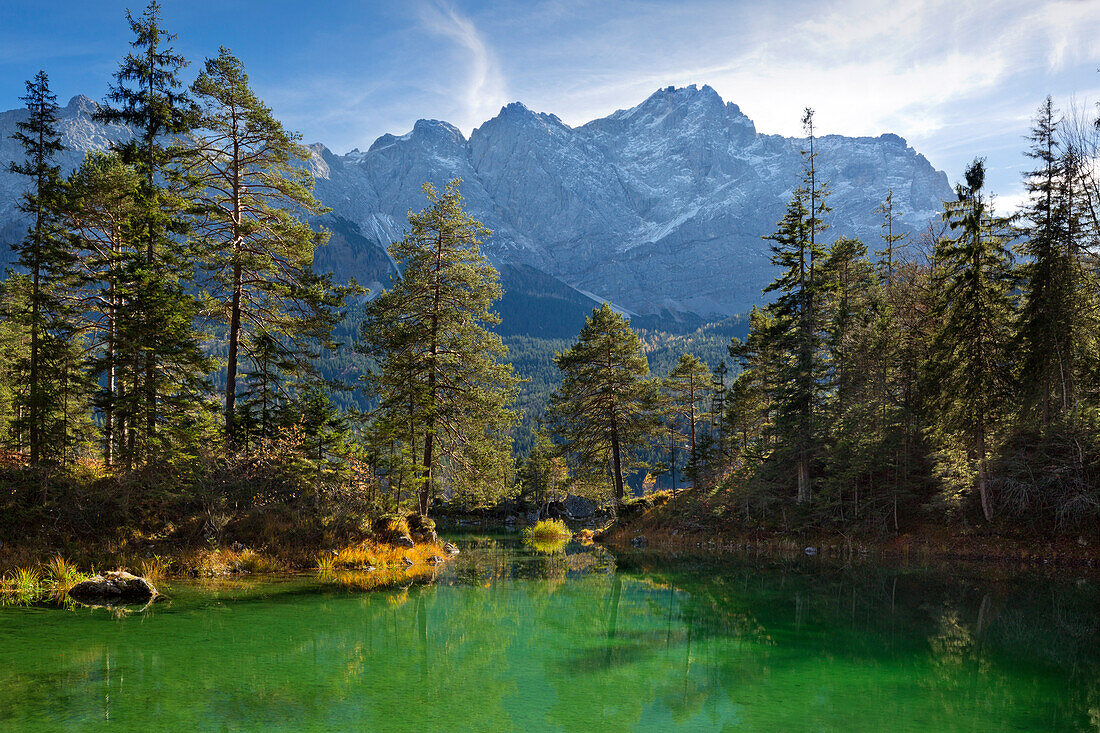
pixel 971 362
pixel 440 372
pixel 157 349
pixel 47 259
pixel 605 412
pixel 248 193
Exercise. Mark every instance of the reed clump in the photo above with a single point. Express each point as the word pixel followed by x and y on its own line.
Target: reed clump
pixel 63 574
pixel 33 584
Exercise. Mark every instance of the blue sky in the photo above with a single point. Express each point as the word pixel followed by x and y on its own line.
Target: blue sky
pixel 955 78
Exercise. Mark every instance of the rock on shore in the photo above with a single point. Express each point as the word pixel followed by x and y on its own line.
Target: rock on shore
pixel 114 586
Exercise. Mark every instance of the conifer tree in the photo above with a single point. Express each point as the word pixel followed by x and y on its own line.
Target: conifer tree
pixel 1053 307
pixel 688 388
pixel 157 342
pixel 440 373
pixel 102 202
pixel 248 194
pixel 265 386
pixel 796 319
pixel 47 259
pixel 749 416
pixel 971 362
pixel 605 412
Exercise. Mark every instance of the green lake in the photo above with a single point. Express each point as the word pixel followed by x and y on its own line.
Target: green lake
pixel 511 640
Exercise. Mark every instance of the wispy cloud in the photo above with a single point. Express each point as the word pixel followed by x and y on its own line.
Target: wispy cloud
pixel 483 90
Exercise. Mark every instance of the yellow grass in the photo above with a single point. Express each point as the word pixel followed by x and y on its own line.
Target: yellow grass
pixel 379 555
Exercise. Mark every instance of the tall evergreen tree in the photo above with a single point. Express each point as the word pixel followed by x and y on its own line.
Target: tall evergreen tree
pixel 1053 307
pixel 102 202
pixel 605 412
pixel 248 194
pixel 157 342
pixel 688 388
pixel 46 257
pixel 796 319
pixel 440 372
pixel 971 362
pixel 750 411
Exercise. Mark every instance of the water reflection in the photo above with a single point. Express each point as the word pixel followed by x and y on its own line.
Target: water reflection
pixel 510 638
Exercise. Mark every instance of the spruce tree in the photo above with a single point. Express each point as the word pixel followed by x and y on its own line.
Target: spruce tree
pixel 440 375
pixel 971 360
pixel 796 320
pixel 605 412
pixel 249 193
pixel 1053 307
pixel 47 259
pixel 158 347
pixel 270 365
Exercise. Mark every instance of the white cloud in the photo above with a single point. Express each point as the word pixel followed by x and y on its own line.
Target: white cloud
pixel 484 91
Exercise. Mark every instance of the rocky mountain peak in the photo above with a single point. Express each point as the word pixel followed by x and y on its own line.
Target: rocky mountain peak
pixel 658 208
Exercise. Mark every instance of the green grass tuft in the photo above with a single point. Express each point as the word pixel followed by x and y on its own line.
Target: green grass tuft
pixel 548 530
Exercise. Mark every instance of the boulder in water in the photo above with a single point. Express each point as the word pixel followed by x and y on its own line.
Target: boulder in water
pixel 114 586
pixel 450 549
pixel 404 541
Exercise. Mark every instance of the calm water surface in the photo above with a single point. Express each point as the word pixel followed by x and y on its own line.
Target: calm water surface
pixel 575 641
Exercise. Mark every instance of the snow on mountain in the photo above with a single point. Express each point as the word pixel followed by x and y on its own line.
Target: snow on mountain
pixel 658 208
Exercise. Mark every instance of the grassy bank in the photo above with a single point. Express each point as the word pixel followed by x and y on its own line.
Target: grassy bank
pixel 25 578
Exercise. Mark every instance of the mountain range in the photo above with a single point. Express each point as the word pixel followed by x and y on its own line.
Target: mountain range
pixel 659 208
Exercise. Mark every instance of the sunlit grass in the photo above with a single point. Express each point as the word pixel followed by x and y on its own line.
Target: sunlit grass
pixel 153 568
pixel 548 530
pixel 379 555
pixel 63 574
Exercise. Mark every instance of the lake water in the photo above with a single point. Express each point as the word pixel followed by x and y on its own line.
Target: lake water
pixel 509 639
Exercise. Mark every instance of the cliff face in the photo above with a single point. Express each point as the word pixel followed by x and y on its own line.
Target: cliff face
pixel 659 208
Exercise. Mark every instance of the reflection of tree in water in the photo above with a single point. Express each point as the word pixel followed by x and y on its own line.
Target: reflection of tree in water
pixel 521 641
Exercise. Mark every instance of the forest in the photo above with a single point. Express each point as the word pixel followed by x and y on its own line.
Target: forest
pixel 172 362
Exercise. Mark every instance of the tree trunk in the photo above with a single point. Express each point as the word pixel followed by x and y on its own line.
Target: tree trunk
pixel 983 474
pixel 618 466
pixel 803 479
pixel 231 362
